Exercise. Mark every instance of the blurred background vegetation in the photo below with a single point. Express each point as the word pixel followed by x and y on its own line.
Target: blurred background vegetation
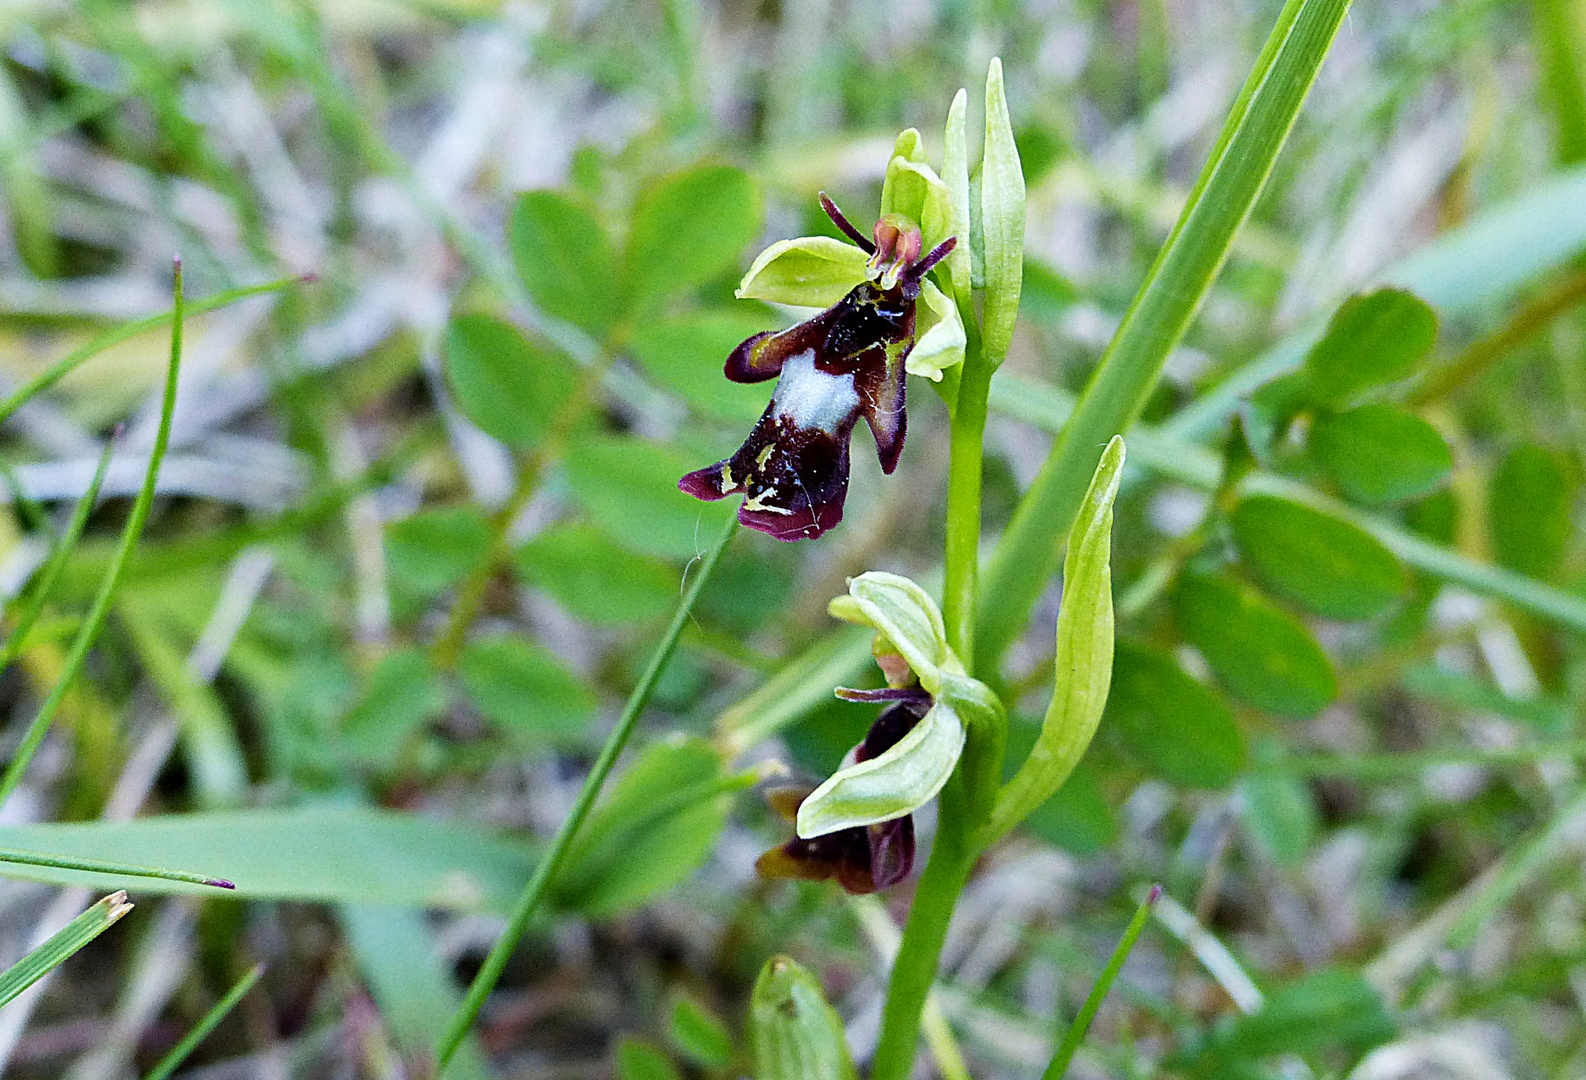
pixel 418 530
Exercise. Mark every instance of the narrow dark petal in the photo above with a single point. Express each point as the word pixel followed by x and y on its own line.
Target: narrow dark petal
pixel 846 226
pixel 887 693
pixel 917 272
pixel 891 851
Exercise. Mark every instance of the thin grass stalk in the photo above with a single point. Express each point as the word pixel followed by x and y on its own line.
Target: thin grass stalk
pixel 61 945
pixel 52 570
pixel 95 622
pixel 180 1052
pixel 98 866
pixel 545 873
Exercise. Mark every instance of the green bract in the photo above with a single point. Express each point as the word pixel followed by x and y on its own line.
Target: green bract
pixel 793 1033
pixel 1001 220
pixel 910 773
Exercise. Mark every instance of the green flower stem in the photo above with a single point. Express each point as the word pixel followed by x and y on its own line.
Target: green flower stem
pixel 95 622
pixel 556 853
pixel 914 970
pixel 963 503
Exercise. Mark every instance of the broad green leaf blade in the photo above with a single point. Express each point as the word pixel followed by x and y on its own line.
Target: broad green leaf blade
pixel 433 550
pixel 1372 340
pixel 565 260
pixel 1530 510
pixel 211 1019
pixel 395 952
pixel 687 228
pixel 1380 454
pixel 686 355
pixel 891 784
pixel 403 694
pixel 100 917
pixel 1168 299
pixel 511 389
pixel 1001 221
pixel 807 271
pixel 1321 562
pixel 584 571
pixel 333 854
pixel 793 1033
pixel 525 690
pixel 1280 814
pixel 1173 725
pixel 638 1060
pixel 699 1034
pixel 628 486
pixel 1084 654
pixel 658 825
pixel 1262 654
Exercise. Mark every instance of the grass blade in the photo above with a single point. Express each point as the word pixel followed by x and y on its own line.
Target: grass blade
pixel 89 632
pixel 170 1062
pixel 545 872
pixel 63 551
pixel 1173 290
pixel 116 335
pixel 54 952
pixel 1081 1024
pixel 96 866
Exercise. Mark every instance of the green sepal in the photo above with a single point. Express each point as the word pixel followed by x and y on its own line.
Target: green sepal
pixel 1001 221
pixel 955 175
pixel 1084 654
pixel 793 1033
pixel 939 335
pixel 906 616
pixel 806 271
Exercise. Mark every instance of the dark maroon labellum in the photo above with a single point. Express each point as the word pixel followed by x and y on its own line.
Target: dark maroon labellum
pixel 844 363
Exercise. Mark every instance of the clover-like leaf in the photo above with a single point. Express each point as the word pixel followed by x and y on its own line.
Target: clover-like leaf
pixel 940 341
pixel 890 785
pixel 906 616
pixel 806 271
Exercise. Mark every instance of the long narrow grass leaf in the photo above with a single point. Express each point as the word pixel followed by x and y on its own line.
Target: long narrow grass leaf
pixel 89 632
pixel 97 866
pixel 61 945
pixel 545 872
pixel 1168 300
pixel 126 331
pixel 179 1053
pixel 1109 974
pixel 52 570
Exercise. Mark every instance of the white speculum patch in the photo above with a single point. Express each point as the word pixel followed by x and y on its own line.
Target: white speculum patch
pixel 809 398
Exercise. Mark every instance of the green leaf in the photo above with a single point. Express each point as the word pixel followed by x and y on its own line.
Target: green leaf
pixel 1530 507
pixel 1372 340
pixel 524 689
pixel 402 696
pixel 793 1033
pixel 66 941
pixel 396 953
pixel 1084 660
pixel 434 550
pixel 1269 412
pixel 657 826
pixel 1379 453
pixel 687 228
pixel 1322 1010
pixel 628 486
pixel 955 175
pixel 701 1036
pixel 1079 818
pixel 1280 814
pixel 1176 727
pixel 580 567
pixel 638 1060
pixel 1001 220
pixel 565 260
pixel 1262 654
pixel 1172 292
pixel 1321 562
pixel 686 355
pixel 326 853
pixel 511 389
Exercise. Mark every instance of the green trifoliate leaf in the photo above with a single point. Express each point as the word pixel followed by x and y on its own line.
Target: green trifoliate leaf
pixel 955 175
pixel 890 785
pixel 1001 220
pixel 793 1033
pixel 939 343
pixel 905 615
pixel 1084 653
pixel 807 271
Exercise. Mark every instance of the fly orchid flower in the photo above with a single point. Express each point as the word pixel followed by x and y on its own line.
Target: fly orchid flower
pixel 883 318
pixel 858 827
